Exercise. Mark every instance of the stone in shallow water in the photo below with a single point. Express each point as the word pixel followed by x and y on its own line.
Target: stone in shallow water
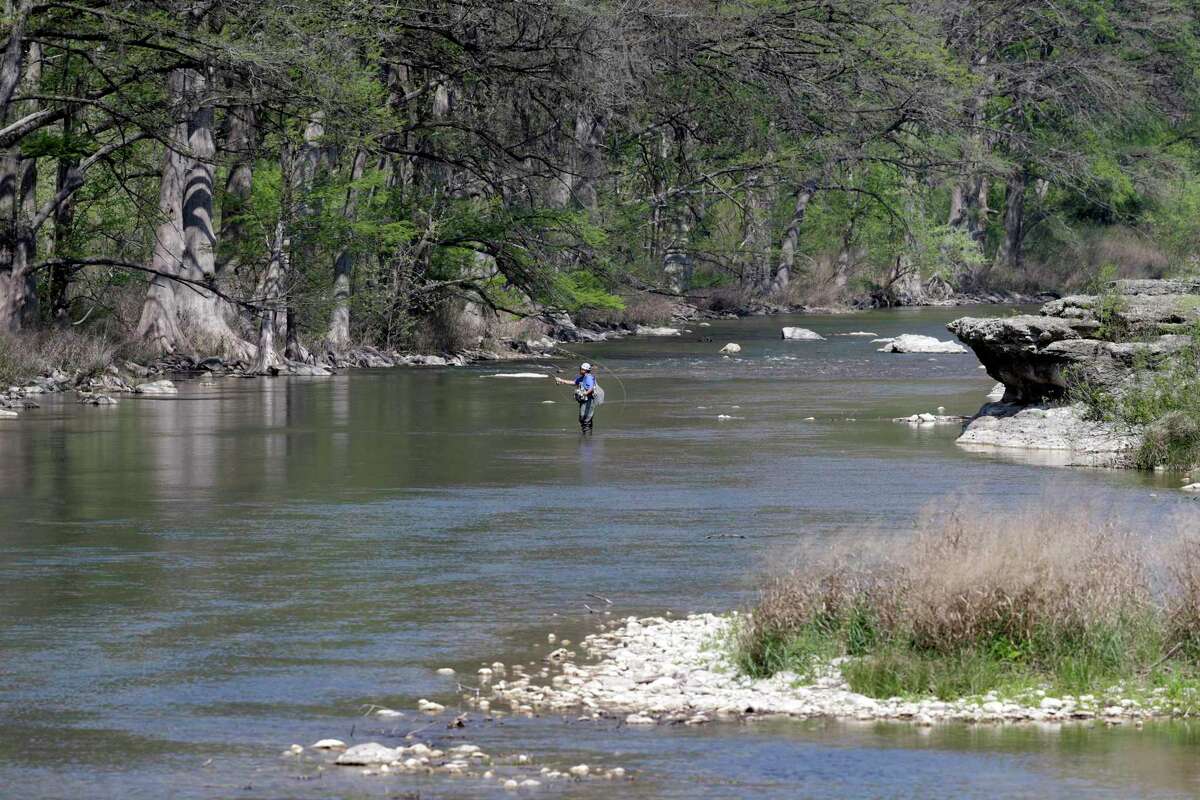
pixel 732 347
pixel 915 343
pixel 801 335
pixel 156 387
pixel 369 754
pixel 329 744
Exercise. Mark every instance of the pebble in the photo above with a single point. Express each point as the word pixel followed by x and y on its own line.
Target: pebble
pixel 652 670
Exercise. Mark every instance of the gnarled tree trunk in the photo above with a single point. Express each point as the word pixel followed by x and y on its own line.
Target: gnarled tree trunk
pixel 1008 255
pixel 791 237
pixel 159 325
pixel 339 323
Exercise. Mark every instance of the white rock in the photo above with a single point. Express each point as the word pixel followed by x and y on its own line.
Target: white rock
pixel 445 671
pixel 801 335
pixel 647 330
pixel 732 347
pixel 156 387
pixel 1050 704
pixel 640 719
pixel 914 343
pixel 388 713
pixel 429 707
pixel 369 754
pixel 997 392
pixel 580 770
pixel 511 784
pixel 615 772
pixel 1191 487
pixel 8 413
pixel 329 744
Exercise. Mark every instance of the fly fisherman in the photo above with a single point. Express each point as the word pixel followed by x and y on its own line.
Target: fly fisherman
pixel 585 395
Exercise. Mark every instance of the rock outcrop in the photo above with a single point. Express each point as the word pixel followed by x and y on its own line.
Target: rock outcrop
pixel 1079 338
pixel 1101 340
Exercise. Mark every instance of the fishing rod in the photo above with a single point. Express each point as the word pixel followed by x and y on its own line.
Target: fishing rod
pixel 570 352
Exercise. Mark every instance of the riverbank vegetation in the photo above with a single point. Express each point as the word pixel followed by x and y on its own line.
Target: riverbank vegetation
pixel 1159 401
pixel 1060 601
pixel 284 182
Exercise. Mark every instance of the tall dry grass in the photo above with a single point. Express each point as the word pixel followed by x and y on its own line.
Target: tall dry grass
pixel 976 597
pixel 25 356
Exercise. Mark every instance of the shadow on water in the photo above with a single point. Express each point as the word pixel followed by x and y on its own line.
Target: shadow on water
pixel 189 585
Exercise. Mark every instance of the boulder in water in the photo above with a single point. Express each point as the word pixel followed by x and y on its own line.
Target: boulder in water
pixel 366 755
pixel 801 335
pixel 915 343
pixel 732 347
pixel 156 387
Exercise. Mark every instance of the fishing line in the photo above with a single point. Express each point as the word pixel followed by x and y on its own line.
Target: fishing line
pixel 570 352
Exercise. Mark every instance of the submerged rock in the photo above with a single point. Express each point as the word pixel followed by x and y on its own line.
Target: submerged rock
pixel 647 330
pixel 915 343
pixel 801 335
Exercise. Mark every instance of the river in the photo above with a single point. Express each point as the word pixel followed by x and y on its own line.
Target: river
pixel 188 585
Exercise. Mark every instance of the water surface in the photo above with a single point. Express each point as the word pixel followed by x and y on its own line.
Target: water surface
pixel 188 585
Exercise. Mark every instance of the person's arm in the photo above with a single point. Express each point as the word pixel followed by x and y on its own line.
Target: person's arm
pixel 560 380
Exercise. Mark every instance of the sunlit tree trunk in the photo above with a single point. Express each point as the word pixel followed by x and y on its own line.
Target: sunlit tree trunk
pixel 791 237
pixel 343 265
pixel 159 325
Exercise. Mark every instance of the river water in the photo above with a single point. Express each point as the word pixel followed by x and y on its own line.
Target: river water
pixel 189 585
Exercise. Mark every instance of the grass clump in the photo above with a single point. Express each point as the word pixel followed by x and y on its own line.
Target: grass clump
pixel 979 602
pixel 26 356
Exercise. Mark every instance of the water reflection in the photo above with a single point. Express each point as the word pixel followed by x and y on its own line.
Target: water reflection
pixel 216 575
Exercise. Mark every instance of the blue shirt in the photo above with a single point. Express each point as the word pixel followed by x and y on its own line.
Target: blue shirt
pixel 587 381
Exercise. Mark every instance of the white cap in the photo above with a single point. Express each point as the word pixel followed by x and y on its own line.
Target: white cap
pixel 586 367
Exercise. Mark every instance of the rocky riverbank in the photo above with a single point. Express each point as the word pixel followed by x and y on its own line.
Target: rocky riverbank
pixel 679 671
pixel 1104 342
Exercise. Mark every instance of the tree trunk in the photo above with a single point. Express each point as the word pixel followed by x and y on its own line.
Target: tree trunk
pixel 203 311
pixel 1009 253
pixel 266 358
pixel 756 241
pixel 61 274
pixel 339 324
pixel 159 325
pixel 18 187
pixel 239 144
pixel 270 288
pixel 791 237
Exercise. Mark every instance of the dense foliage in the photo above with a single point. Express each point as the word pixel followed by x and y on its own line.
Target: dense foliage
pixel 217 173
